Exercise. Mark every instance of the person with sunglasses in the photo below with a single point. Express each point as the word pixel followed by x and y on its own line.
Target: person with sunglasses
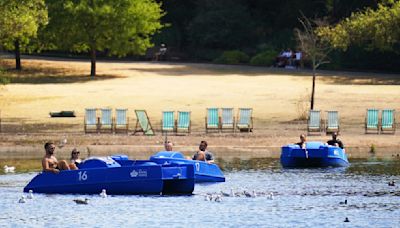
pixel 75 160
pixel 50 162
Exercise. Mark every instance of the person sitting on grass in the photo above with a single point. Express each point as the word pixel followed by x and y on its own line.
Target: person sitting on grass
pixel 75 160
pixel 335 141
pixel 302 143
pixel 49 161
pixel 203 154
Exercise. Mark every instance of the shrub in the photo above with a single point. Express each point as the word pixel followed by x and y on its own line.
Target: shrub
pixel 265 58
pixel 3 79
pixel 232 57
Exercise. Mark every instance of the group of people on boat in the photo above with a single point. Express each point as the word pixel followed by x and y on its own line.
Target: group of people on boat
pixel 333 142
pixel 51 164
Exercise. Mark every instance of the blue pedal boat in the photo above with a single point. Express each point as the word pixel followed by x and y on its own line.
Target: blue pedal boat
pixel 316 154
pixel 204 172
pixel 117 175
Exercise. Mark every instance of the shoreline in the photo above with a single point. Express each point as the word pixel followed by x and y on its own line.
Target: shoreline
pixel 143 152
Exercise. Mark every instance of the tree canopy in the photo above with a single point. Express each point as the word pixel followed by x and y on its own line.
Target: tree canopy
pixel 116 27
pixel 19 23
pixel 376 28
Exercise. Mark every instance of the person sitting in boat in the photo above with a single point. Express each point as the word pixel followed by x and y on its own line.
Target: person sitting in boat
pixel 75 160
pixel 49 161
pixel 302 143
pixel 335 141
pixel 168 146
pixel 203 154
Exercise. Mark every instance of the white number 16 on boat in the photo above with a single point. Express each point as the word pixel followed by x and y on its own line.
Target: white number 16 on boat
pixel 82 176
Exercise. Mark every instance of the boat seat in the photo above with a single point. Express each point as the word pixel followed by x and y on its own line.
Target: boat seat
pixel 99 162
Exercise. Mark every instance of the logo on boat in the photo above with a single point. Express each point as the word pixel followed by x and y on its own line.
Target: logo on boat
pixel 336 152
pixel 139 173
pixel 197 166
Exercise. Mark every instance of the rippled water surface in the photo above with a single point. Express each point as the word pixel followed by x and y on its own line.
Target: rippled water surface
pixel 301 198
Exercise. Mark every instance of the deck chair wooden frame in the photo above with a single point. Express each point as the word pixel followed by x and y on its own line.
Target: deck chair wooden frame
pixel 106 123
pixel 143 123
pixel 184 122
pixel 314 123
pixel 91 121
pixel 212 119
pixel 168 121
pixel 388 121
pixel 227 119
pixel 332 122
pixel 244 122
pixel 372 121
pixel 121 123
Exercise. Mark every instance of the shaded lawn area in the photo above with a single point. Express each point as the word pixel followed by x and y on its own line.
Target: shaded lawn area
pixel 32 73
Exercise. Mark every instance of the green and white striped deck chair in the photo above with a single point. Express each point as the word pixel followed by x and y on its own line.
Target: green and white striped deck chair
pixel 372 120
pixel 121 120
pixel 143 123
pixel 184 122
pixel 168 121
pixel 314 121
pixel 245 119
pixel 106 120
pixel 388 121
pixel 212 119
pixel 90 121
pixel 332 122
pixel 227 120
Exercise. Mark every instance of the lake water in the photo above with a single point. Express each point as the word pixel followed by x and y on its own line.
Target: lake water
pixel 301 198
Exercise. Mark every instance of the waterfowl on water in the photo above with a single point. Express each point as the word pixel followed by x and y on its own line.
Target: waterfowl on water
pixel 9 169
pixel 103 193
pixel 81 201
pixel 30 194
pixel 22 200
pixel 344 202
pixel 346 220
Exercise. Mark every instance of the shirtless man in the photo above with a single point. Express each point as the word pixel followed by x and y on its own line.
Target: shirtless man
pixel 203 154
pixel 50 163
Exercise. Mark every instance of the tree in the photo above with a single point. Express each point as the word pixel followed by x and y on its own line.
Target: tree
pixel 313 46
pixel 375 28
pixel 116 27
pixel 19 23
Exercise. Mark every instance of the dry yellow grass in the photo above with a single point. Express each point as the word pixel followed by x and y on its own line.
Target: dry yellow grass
pixel 58 84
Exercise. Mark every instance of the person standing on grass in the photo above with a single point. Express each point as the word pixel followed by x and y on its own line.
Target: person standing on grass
pixel 49 161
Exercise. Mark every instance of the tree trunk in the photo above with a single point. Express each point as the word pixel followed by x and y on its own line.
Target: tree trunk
pixel 313 90
pixel 93 63
pixel 17 55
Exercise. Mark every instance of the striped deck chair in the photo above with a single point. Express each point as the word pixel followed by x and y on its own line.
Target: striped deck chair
pixel 372 120
pixel 388 121
pixel 168 121
pixel 143 123
pixel 106 120
pixel 121 120
pixel 91 121
pixel 184 122
pixel 212 119
pixel 314 121
pixel 332 122
pixel 245 119
pixel 227 120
